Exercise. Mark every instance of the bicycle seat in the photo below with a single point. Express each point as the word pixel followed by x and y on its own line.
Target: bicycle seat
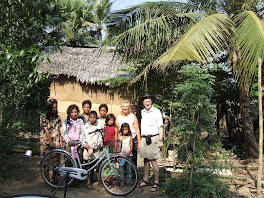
pixel 73 143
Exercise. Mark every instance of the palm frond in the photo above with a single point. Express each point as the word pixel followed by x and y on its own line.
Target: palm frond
pixel 148 33
pixel 250 42
pixel 201 43
pixel 141 36
pixel 136 13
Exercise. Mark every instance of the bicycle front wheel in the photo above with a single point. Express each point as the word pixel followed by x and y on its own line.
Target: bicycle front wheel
pixel 49 163
pixel 119 176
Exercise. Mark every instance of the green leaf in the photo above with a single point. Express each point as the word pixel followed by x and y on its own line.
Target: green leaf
pixel 8 56
pixel 22 52
pixel 31 75
pixel 201 43
pixel 250 41
pixel 34 58
pixel 87 23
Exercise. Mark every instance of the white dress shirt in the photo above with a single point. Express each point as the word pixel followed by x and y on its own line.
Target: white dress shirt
pixel 151 121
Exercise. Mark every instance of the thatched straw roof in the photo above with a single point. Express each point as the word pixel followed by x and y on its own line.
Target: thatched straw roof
pixel 88 65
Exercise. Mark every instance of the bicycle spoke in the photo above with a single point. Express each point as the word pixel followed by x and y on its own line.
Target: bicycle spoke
pixel 119 177
pixel 51 162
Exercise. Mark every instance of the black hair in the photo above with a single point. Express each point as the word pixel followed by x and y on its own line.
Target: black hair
pixel 103 106
pixel 49 107
pixel 108 117
pixel 69 110
pixel 92 113
pixel 87 102
pixel 122 129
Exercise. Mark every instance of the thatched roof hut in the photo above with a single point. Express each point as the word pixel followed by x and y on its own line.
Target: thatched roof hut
pixel 88 65
pixel 79 75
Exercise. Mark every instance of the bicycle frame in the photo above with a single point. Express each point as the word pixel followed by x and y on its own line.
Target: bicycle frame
pixel 80 173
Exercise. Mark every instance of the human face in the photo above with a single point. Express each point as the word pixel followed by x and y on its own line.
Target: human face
pixel 125 130
pixel 147 103
pixel 125 109
pixel 54 108
pixel 86 108
pixel 92 119
pixel 103 112
pixel 111 122
pixel 74 114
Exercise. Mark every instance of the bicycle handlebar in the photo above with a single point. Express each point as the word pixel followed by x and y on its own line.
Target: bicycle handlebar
pixel 97 130
pixel 74 143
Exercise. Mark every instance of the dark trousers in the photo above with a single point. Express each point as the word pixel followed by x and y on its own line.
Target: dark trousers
pixel 134 151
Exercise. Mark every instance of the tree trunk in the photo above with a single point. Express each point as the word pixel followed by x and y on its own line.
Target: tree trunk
pixel 260 128
pixel 99 34
pixel 250 141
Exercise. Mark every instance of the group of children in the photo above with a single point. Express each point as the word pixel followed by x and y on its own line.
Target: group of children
pixel 78 127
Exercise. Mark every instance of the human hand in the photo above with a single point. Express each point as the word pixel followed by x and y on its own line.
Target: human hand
pixel 52 145
pixel 160 144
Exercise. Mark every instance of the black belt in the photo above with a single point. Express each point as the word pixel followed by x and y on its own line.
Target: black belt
pixel 149 135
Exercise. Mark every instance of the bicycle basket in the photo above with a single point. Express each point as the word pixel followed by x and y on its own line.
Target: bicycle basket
pixel 114 146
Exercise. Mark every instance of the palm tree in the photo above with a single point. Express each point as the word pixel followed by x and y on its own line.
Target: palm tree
pixel 101 9
pixel 76 17
pixel 211 28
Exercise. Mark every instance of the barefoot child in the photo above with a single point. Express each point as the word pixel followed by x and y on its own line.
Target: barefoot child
pixel 126 150
pixel 103 109
pixel 73 128
pixel 92 143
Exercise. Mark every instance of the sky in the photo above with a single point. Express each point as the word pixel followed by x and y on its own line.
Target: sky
pixel 121 4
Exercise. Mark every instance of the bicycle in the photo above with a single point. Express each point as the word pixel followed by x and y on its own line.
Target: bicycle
pixel 118 175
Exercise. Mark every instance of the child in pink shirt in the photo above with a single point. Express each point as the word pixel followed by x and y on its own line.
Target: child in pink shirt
pixel 73 127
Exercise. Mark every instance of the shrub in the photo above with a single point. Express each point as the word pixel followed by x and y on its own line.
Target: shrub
pixel 202 185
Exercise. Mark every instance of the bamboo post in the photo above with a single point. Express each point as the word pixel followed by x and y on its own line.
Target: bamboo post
pixel 260 128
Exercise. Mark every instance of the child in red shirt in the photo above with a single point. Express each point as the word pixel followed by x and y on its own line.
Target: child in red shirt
pixel 110 131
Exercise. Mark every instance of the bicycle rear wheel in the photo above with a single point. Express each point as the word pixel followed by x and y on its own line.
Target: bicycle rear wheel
pixel 49 163
pixel 119 177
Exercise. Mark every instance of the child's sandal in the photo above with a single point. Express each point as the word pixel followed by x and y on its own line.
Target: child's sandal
pixel 143 181
pixel 154 187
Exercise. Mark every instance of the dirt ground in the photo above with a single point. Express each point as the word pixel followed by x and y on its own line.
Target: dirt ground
pixel 25 178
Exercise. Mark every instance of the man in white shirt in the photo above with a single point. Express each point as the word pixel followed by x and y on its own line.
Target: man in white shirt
pixel 152 139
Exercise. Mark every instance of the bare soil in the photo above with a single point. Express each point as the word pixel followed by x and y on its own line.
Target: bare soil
pixel 25 178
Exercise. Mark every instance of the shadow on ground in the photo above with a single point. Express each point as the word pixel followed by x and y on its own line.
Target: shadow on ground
pixel 25 178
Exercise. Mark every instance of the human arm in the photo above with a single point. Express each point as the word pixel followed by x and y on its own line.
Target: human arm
pixel 65 129
pixel 82 130
pixel 117 123
pixel 161 131
pixel 45 125
pixel 116 144
pixel 60 132
pixel 47 132
pixel 85 140
pixel 131 147
pixel 161 128
pixel 116 134
pixel 137 131
pixel 61 142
